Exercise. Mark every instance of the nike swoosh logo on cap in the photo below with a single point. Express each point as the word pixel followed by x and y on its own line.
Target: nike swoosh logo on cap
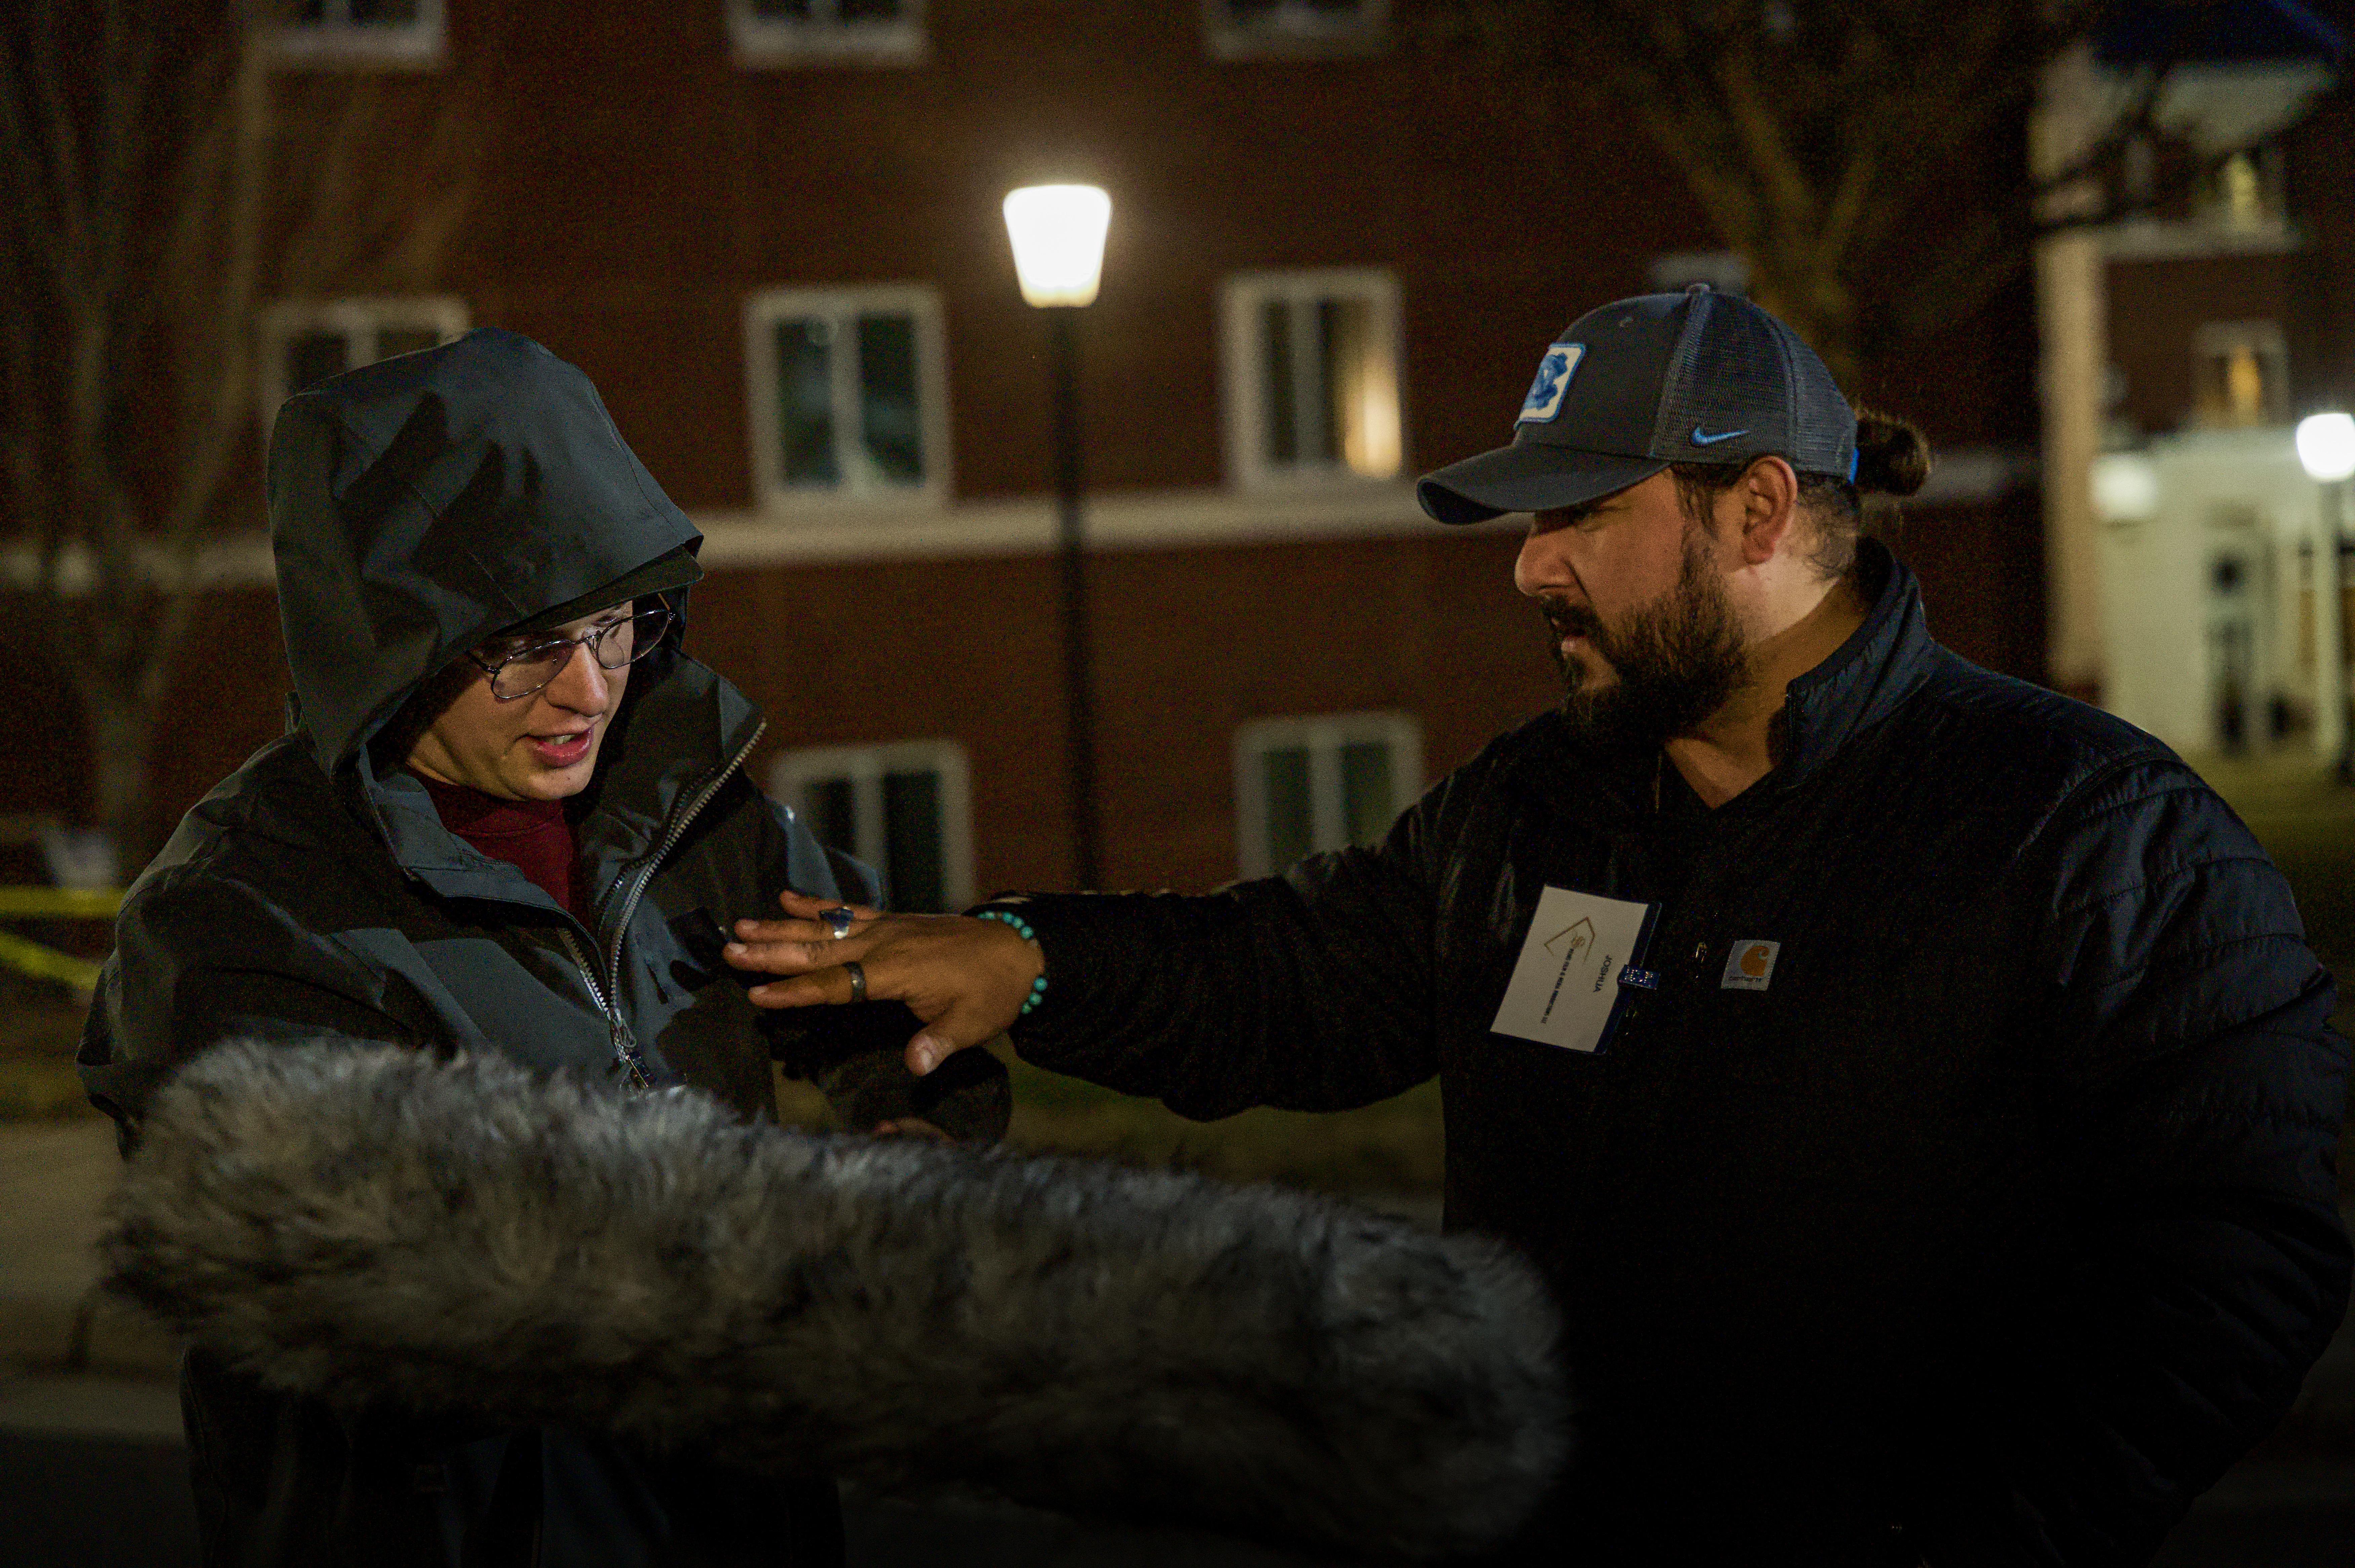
pixel 1702 438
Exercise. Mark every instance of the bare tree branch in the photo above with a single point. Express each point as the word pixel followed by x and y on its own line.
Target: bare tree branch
pixel 216 375
pixel 1822 139
pixel 153 188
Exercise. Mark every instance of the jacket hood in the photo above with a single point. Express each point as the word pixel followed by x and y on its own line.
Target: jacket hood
pixel 423 502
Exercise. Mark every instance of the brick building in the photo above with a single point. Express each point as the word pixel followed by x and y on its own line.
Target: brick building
pixel 770 231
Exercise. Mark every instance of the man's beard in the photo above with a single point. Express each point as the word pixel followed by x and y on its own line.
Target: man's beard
pixel 1678 660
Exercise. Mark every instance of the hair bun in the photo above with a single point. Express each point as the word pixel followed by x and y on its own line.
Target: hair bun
pixel 1891 457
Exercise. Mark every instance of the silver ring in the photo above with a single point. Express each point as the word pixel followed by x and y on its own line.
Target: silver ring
pixel 839 917
pixel 857 973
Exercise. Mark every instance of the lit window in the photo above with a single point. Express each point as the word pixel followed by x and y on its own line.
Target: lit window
pixel 2244 194
pixel 846 394
pixel 303 343
pixel 904 809
pixel 1312 377
pixel 1303 785
pixel 2241 374
pixel 402 33
pixel 1244 29
pixel 790 32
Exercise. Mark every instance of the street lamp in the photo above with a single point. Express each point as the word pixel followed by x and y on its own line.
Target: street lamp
pixel 1058 232
pixel 2325 450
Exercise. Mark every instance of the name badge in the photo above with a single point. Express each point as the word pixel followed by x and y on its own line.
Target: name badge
pixel 1578 963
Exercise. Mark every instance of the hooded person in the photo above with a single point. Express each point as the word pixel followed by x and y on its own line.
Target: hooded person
pixel 509 816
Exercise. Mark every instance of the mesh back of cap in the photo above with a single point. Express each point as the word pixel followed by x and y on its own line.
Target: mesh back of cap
pixel 1823 433
pixel 1739 369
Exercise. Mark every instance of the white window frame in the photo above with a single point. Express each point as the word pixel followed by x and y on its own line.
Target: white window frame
pixel 843 306
pixel 1241 297
pixel 1322 736
pixel 864 766
pixel 1314 36
pixel 826 38
pixel 337 41
pixel 2217 339
pixel 282 322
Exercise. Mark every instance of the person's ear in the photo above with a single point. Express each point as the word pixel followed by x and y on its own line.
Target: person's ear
pixel 1769 496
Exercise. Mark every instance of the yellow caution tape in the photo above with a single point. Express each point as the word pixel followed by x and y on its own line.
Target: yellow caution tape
pixel 64 903
pixel 47 963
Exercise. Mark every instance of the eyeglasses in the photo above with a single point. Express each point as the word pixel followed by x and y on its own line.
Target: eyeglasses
pixel 521 671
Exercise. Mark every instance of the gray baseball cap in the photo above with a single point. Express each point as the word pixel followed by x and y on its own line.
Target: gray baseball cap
pixel 1697 377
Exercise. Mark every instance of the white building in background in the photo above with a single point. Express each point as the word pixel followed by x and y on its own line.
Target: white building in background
pixel 2180 529
pixel 2219 614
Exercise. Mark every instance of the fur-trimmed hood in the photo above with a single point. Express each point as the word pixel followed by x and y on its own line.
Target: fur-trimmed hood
pixel 372 1225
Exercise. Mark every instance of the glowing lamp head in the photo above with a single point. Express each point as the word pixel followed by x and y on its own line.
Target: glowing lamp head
pixel 2126 488
pixel 1058 239
pixel 2325 446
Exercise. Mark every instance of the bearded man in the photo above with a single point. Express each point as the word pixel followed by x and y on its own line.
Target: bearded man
pixel 1916 1085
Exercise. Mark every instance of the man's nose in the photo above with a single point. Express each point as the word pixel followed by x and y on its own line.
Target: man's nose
pixel 1543 566
pixel 581 684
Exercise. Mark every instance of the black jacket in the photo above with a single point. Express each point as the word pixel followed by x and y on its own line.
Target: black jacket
pixel 1995 1228
pixel 417 506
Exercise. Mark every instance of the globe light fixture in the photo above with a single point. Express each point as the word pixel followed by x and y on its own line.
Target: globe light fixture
pixel 1058 241
pixel 2325 447
pixel 2325 450
pixel 2126 488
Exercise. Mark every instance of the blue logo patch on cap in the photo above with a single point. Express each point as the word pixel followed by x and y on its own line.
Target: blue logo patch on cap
pixel 1544 401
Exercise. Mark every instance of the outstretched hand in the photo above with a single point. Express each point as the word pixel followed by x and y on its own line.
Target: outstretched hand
pixel 965 978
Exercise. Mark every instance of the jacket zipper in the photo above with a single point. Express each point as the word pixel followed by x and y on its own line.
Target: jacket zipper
pixel 609 996
pixel 625 1050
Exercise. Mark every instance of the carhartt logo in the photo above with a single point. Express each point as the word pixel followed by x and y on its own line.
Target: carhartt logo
pixel 1544 401
pixel 1750 966
pixel 1708 438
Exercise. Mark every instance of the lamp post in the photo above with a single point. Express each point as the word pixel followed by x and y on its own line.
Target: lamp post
pixel 2325 450
pixel 1058 232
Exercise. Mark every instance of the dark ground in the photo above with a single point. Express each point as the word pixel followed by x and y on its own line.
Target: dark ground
pixel 84 1503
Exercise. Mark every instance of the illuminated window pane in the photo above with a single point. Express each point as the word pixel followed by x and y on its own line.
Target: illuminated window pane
pixel 889 418
pixel 805 401
pixel 2241 374
pixel 2243 193
pixel 1322 384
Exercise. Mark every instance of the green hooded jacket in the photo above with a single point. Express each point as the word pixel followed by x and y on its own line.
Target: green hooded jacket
pixel 418 506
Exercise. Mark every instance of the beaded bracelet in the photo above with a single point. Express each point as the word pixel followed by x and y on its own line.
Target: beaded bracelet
pixel 1022 929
